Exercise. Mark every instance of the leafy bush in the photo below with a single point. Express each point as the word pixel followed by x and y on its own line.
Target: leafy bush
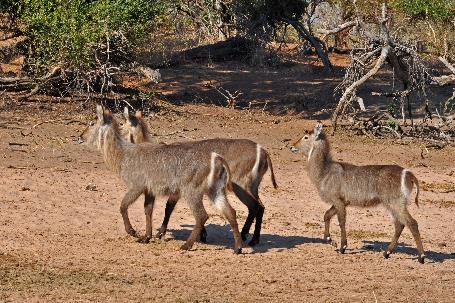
pixel 79 33
pixel 440 10
pixel 262 18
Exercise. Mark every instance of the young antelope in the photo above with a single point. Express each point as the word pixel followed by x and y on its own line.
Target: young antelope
pixel 342 184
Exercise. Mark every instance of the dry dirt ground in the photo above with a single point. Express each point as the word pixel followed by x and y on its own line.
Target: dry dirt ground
pixel 62 236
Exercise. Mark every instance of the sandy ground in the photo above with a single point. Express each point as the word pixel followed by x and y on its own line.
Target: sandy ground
pixel 62 236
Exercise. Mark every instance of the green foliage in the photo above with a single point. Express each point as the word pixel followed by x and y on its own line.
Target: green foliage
pixel 392 124
pixel 394 108
pixel 74 32
pixel 10 6
pixel 267 15
pixel 274 10
pixel 440 10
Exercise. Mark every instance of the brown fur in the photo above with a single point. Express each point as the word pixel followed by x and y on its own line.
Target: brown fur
pixel 135 122
pixel 177 170
pixel 241 156
pixel 343 184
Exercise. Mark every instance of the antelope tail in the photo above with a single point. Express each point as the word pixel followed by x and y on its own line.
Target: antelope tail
pixel 272 174
pixel 416 182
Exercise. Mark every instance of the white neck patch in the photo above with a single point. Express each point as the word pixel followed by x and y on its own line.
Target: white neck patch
pixel 311 152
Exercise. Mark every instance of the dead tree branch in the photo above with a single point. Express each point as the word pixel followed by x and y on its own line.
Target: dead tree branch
pixel 378 49
pixel 445 79
pixel 337 29
pixel 305 34
pixel 231 98
pixel 32 84
pixel 350 91
pixel 447 64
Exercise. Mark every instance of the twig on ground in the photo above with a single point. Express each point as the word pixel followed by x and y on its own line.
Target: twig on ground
pixel 17 167
pixel 43 122
pixel 231 98
pixel 17 144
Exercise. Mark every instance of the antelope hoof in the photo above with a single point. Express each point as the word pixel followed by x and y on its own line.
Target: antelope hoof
pixel 185 247
pixel 343 249
pixel 132 232
pixel 203 236
pixel 161 232
pixel 421 259
pixel 253 242
pixel 144 240
pixel 386 254
pixel 238 251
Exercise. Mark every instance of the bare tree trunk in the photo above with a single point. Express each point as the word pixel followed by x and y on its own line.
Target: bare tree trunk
pixel 316 43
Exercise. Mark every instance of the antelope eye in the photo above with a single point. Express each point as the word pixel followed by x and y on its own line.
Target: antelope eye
pixel 91 123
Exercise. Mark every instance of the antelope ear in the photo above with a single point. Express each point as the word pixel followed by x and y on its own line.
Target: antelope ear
pixel 138 114
pixel 99 112
pixel 107 116
pixel 317 130
pixel 126 113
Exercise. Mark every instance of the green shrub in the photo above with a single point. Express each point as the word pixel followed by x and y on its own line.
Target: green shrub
pixel 262 18
pixel 439 10
pixel 76 33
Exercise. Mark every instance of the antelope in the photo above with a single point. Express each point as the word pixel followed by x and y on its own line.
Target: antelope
pixel 342 184
pixel 175 170
pixel 248 163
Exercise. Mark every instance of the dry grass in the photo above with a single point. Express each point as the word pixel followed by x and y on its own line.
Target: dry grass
pixel 19 275
pixel 438 187
pixel 441 203
pixel 360 234
pixel 447 204
pixel 312 225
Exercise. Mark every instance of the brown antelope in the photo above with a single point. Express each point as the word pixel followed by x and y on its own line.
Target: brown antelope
pixel 343 184
pixel 247 160
pixel 175 170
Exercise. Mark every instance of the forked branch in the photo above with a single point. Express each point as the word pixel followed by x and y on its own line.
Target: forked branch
pixel 348 94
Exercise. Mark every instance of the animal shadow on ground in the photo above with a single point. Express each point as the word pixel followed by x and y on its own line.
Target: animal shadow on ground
pixel 437 257
pixel 222 235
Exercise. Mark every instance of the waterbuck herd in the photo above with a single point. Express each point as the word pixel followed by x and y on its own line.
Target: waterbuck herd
pixel 190 170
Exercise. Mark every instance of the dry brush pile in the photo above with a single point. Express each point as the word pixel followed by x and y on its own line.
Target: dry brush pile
pixel 381 50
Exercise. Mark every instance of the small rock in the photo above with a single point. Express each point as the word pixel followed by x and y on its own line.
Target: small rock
pixel 24 188
pixel 91 187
